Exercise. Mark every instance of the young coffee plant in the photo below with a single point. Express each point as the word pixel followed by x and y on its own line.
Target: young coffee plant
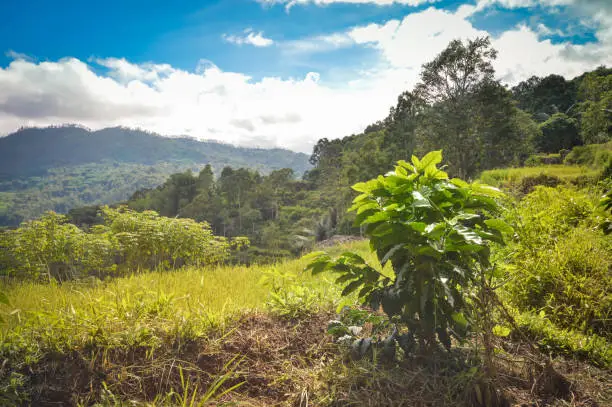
pixel 435 232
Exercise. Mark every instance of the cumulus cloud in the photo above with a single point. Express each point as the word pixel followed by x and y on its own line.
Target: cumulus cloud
pixel 418 37
pixel 206 103
pixel 250 37
pixel 597 13
pixel 544 31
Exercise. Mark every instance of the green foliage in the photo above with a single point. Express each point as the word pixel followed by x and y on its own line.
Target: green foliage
pixel 596 95
pixel 606 204
pixel 53 248
pixel 149 240
pixel 545 96
pixel 563 341
pixel 597 156
pixel 269 209
pixel 537 160
pixel 561 263
pixel 522 180
pixel 435 234
pixel 289 297
pixel 558 132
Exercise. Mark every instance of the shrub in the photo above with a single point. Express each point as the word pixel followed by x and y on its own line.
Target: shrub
pixel 561 264
pixel 435 233
pixel 52 248
pixel 593 155
pixel 523 180
pixel 149 240
pixel 543 159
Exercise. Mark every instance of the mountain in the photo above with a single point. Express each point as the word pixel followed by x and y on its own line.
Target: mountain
pixel 59 168
pixel 32 151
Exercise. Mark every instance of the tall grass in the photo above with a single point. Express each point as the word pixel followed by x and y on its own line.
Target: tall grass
pixel 144 309
pixel 506 177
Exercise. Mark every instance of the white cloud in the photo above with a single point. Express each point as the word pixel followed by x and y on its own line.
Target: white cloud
pixel 545 31
pixel 207 103
pixel 421 36
pixel 251 37
pixel 594 13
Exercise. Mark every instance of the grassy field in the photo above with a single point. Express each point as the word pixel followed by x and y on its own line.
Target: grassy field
pixel 509 177
pixel 232 336
pixel 164 302
pixel 155 313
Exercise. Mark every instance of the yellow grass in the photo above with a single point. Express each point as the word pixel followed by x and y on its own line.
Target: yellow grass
pixel 145 308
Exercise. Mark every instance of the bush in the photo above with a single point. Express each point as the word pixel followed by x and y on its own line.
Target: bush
pixel 561 263
pixel 593 155
pixel 522 180
pixel 527 184
pixel 543 159
pixel 435 233
pixel 52 248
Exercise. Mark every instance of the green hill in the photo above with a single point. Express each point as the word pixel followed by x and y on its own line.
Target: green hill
pixel 59 168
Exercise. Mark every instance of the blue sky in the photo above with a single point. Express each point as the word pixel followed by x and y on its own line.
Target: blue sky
pixel 264 72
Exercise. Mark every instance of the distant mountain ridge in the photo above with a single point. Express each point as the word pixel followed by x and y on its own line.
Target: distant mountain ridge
pixel 32 151
pixel 60 168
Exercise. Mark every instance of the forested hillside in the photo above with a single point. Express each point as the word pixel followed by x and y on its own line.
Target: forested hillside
pixel 59 168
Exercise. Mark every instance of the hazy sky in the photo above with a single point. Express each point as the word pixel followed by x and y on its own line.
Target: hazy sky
pixel 269 72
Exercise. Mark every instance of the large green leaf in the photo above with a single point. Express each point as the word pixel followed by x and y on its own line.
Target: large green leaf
pixel 377 217
pixel 406 165
pixel 460 319
pixel 420 201
pixel 361 187
pixel 430 160
pixel 364 207
pixel 353 257
pixel 352 286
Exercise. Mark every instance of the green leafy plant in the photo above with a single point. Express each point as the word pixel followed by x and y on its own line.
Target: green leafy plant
pixel 288 297
pixel 435 232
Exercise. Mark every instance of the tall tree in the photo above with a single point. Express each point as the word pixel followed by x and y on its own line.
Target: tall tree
pixel 596 96
pixel 546 96
pixel 558 132
pixel 399 140
pixel 470 113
